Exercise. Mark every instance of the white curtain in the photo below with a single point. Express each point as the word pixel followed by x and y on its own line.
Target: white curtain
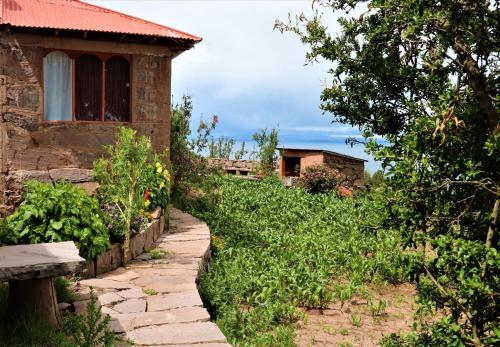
pixel 57 86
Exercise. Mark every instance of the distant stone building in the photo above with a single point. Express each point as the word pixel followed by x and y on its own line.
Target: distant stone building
pixel 70 72
pixel 239 167
pixel 293 162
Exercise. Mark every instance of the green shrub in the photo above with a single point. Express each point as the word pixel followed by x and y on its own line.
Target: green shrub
pixel 132 179
pixel 91 330
pixel 54 213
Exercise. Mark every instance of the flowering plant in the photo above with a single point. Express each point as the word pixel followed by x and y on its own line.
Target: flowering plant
pixel 319 179
pixel 157 192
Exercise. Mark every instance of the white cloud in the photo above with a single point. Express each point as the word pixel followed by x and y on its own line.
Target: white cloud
pixel 243 70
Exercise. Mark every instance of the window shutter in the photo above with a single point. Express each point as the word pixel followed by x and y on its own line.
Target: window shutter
pixel 117 96
pixel 88 88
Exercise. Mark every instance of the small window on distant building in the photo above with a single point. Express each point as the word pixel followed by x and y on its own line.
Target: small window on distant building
pixel 57 85
pixel 117 90
pixel 88 88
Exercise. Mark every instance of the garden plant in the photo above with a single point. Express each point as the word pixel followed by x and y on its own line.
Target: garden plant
pixel 132 180
pixel 276 250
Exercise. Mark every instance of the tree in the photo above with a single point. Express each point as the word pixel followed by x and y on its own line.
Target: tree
pixel 266 148
pixel 424 74
pixel 185 150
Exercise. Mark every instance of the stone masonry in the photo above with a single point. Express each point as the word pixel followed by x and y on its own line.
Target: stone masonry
pixel 156 302
pixel 32 148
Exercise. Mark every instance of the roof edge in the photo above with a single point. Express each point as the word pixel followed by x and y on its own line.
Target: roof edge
pixel 322 151
pixel 193 37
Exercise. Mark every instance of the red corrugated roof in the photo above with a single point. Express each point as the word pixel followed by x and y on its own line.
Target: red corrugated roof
pixel 76 15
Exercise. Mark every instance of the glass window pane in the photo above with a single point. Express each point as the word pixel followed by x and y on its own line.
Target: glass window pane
pixel 57 86
pixel 117 95
pixel 88 87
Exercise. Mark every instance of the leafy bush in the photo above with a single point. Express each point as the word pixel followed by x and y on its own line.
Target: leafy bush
pixel 426 81
pixel 131 179
pixel 276 249
pixel 319 179
pixel 57 212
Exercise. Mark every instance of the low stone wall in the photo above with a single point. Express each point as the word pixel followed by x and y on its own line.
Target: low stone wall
pixel 233 166
pixel 139 243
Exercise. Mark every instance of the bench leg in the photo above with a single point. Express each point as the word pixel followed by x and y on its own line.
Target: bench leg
pixel 34 296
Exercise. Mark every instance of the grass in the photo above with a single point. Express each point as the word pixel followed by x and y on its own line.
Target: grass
pixel 355 320
pixel 279 249
pixel 149 291
pixel 33 331
pixel 158 253
pixel 27 331
pixel 64 289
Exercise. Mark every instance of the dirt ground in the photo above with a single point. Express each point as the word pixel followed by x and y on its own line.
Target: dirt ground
pixel 361 321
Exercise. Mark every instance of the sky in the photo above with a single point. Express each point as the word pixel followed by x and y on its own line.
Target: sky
pixel 248 74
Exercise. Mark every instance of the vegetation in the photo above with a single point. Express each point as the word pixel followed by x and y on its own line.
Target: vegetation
pixel 319 179
pixel 223 147
pixel 90 330
pixel 424 75
pixel 277 249
pixel 376 180
pixel 132 179
pixel 267 144
pixel 187 163
pixel 57 212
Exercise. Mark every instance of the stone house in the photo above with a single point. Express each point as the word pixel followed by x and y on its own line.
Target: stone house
pixel 293 161
pixel 70 73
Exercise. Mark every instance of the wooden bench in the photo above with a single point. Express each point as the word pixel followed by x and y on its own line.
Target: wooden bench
pixel 30 270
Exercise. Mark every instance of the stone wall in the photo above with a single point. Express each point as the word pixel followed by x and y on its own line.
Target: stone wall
pixel 234 166
pixel 352 169
pixel 30 147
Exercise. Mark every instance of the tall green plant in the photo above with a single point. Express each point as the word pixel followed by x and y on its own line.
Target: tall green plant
pixel 186 149
pixel 221 147
pixel 241 152
pixel 54 213
pixel 424 75
pixel 126 176
pixel 267 143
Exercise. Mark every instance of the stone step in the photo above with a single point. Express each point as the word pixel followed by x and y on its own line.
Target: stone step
pixel 174 300
pixel 128 321
pixel 177 334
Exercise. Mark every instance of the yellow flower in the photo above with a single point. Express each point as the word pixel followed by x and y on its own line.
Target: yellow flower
pixel 159 169
pixel 158 164
pixel 166 174
pixel 162 184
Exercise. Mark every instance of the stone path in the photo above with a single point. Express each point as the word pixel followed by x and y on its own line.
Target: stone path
pixel 156 302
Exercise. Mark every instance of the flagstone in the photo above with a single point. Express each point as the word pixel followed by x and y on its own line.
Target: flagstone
pixel 106 283
pixel 133 293
pixel 174 300
pixel 121 274
pixel 176 334
pixel 109 298
pixel 180 315
pixel 131 305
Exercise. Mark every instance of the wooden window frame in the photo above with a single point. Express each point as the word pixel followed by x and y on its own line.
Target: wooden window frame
pixel 103 57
